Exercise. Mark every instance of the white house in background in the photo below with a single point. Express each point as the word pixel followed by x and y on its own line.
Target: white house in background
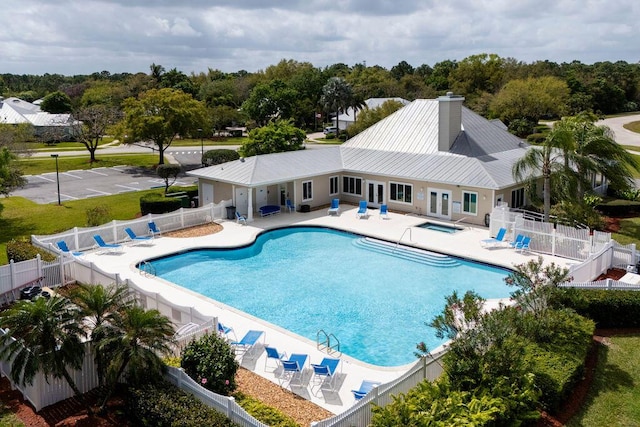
pixel 45 125
pixel 433 157
pixel 349 117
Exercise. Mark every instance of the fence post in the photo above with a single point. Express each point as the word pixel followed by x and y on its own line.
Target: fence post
pixel 213 212
pixel 633 254
pixel 230 401
pixel 182 217
pixel 61 263
pixel 608 283
pixel 76 241
pixel 39 265
pixel 553 242
pixel 114 230
pixel 12 275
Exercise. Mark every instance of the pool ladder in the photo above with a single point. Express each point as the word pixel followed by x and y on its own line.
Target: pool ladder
pixel 147 269
pixel 324 343
pixel 400 239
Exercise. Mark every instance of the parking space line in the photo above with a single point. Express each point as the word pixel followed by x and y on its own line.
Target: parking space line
pixel 98 191
pixel 66 196
pixel 72 176
pixel 97 173
pixel 126 186
pixel 45 178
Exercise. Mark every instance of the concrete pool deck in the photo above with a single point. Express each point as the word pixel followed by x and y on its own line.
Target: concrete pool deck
pixel 465 244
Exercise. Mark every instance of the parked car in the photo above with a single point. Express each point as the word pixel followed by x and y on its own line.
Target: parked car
pixel 331 129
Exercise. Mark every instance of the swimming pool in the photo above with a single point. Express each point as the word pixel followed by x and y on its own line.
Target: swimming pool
pixel 305 279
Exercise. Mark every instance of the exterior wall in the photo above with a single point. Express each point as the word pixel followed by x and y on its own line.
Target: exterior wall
pixel 320 191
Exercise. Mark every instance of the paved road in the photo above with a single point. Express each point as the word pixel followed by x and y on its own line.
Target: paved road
pixel 622 135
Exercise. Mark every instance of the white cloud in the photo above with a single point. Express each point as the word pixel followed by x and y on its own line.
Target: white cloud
pixel 71 37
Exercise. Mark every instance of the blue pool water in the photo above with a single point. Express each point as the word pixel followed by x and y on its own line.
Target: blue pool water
pixel 439 227
pixel 307 279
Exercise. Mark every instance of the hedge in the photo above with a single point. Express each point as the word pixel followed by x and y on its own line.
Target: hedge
pixel 619 207
pixel 608 308
pixel 165 405
pixel 22 250
pixel 158 204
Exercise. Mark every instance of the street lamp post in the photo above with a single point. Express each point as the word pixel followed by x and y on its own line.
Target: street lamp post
pixel 55 156
pixel 201 147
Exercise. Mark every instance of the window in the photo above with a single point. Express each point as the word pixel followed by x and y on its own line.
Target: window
pixel 470 202
pixel 352 185
pixel 401 192
pixel 333 186
pixel 517 198
pixel 307 193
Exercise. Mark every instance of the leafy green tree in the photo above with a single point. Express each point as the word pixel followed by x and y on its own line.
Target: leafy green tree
pixel 167 173
pixel 92 124
pixel 402 69
pixel 270 101
pixel 369 117
pixel 161 114
pixel 133 343
pixel 56 103
pixel 223 116
pixel 10 176
pixel 477 74
pixel 100 306
pixel 43 335
pixel 531 99
pixel 276 137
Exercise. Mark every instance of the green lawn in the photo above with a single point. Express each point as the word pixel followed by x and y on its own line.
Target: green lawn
pixel 633 126
pixel 38 165
pixel 22 218
pixel 614 398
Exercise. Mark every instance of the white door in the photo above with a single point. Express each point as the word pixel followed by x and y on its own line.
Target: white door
pixel 207 194
pixel 242 200
pixel 262 198
pixel 439 203
pixel 375 193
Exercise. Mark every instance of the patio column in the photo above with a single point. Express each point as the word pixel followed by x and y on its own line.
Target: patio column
pixel 250 202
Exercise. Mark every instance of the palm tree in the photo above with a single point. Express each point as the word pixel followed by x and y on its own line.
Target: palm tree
pixel 337 94
pixel 100 306
pixel 546 161
pixel 43 335
pixel 133 344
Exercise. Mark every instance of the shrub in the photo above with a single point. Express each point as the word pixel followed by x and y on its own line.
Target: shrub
pixel 158 204
pixel 263 413
pixel 608 309
pixel 98 215
pixel 191 190
pixel 619 207
pixel 23 250
pixel 166 405
pixel 216 157
pixel 536 138
pixel 211 362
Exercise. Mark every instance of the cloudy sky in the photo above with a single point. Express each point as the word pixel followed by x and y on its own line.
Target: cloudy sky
pixel 85 36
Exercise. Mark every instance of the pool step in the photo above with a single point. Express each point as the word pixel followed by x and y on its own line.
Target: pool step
pixel 411 254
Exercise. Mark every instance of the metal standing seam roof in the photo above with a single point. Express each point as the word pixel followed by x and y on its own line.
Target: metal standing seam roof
pixel 15 110
pixel 403 146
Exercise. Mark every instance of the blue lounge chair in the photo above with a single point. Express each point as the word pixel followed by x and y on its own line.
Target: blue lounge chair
pixel 153 229
pixel 241 218
pixel 335 207
pixel 365 388
pixel 135 238
pixel 247 345
pixel 110 247
pixel 274 354
pixel 292 369
pixel 289 205
pixel 498 240
pixel 62 245
pixel 384 212
pixel 362 210
pixel 324 374
pixel 523 245
pixel 226 330
pixel 517 241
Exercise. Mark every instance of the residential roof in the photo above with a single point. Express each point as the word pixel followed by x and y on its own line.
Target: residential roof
pixel 371 103
pixel 15 111
pixel 404 145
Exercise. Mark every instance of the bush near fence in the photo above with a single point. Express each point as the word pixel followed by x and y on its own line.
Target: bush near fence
pixel 608 308
pixel 166 405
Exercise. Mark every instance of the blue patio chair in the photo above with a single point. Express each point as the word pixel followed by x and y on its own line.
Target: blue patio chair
pixel 62 245
pixel 324 374
pixel 334 208
pixel 517 241
pixel 292 369
pixel 241 218
pixel 248 344
pixel 498 240
pixel 274 354
pixel 362 210
pixel 523 244
pixel 153 229
pixel 110 247
pixel 384 212
pixel 135 238
pixel 289 205
pixel 226 330
pixel 365 388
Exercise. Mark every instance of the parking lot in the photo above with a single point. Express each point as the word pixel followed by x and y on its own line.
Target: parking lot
pixel 82 184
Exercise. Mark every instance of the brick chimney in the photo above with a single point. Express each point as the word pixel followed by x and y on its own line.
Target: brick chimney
pixel 449 119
